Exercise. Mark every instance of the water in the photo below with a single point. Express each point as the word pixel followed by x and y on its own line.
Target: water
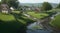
pixel 38 31
pixel 31 29
pixel 53 16
pixel 36 27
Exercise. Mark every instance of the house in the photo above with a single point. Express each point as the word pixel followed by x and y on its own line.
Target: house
pixel 5 8
pixel 28 8
pixel 12 8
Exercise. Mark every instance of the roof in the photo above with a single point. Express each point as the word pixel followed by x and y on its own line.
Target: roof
pixel 4 5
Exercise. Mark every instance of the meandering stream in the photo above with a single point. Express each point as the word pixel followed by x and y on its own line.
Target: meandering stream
pixel 31 28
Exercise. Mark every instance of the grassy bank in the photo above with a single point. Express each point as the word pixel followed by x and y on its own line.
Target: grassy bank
pixel 37 15
pixel 6 17
pixel 56 22
pixel 13 23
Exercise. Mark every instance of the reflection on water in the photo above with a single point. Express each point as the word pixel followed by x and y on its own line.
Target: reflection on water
pixel 33 28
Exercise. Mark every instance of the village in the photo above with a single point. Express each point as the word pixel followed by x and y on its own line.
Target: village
pixel 15 18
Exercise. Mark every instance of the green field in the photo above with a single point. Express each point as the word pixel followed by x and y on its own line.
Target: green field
pixel 16 12
pixel 17 22
pixel 37 15
pixel 13 23
pixel 6 17
pixel 56 22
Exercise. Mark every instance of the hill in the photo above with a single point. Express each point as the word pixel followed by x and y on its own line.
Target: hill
pixel 37 4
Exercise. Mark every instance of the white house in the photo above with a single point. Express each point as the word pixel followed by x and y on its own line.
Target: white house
pixel 5 8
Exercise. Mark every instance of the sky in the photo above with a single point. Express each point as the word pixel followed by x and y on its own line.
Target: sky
pixel 39 1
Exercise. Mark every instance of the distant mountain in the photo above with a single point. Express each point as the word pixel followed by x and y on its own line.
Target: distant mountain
pixel 31 4
pixel 54 5
pixel 37 4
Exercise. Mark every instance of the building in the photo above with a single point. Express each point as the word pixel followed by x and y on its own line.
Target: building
pixel 12 8
pixel 5 8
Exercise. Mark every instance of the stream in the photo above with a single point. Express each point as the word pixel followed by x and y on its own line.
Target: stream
pixel 36 28
pixel 31 29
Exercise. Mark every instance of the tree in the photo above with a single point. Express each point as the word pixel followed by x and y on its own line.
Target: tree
pixel 4 1
pixel 11 3
pixel 58 5
pixel 46 6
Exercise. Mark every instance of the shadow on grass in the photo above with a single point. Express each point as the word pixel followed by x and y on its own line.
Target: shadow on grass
pixel 19 16
pixel 12 27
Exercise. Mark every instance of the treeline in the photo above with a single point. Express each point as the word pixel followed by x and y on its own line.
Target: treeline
pixel 10 3
pixel 47 6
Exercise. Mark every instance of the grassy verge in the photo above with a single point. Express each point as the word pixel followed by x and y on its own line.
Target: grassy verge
pixel 56 22
pixel 13 23
pixel 6 17
pixel 16 12
pixel 37 15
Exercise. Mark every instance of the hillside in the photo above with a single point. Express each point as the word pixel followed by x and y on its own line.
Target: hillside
pixel 37 4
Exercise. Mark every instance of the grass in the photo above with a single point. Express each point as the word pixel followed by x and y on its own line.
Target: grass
pixel 56 10
pixel 6 17
pixel 37 15
pixel 16 12
pixel 13 23
pixel 37 27
pixel 56 22
pixel 25 20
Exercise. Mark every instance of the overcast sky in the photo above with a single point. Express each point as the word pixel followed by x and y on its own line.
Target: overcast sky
pixel 39 1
